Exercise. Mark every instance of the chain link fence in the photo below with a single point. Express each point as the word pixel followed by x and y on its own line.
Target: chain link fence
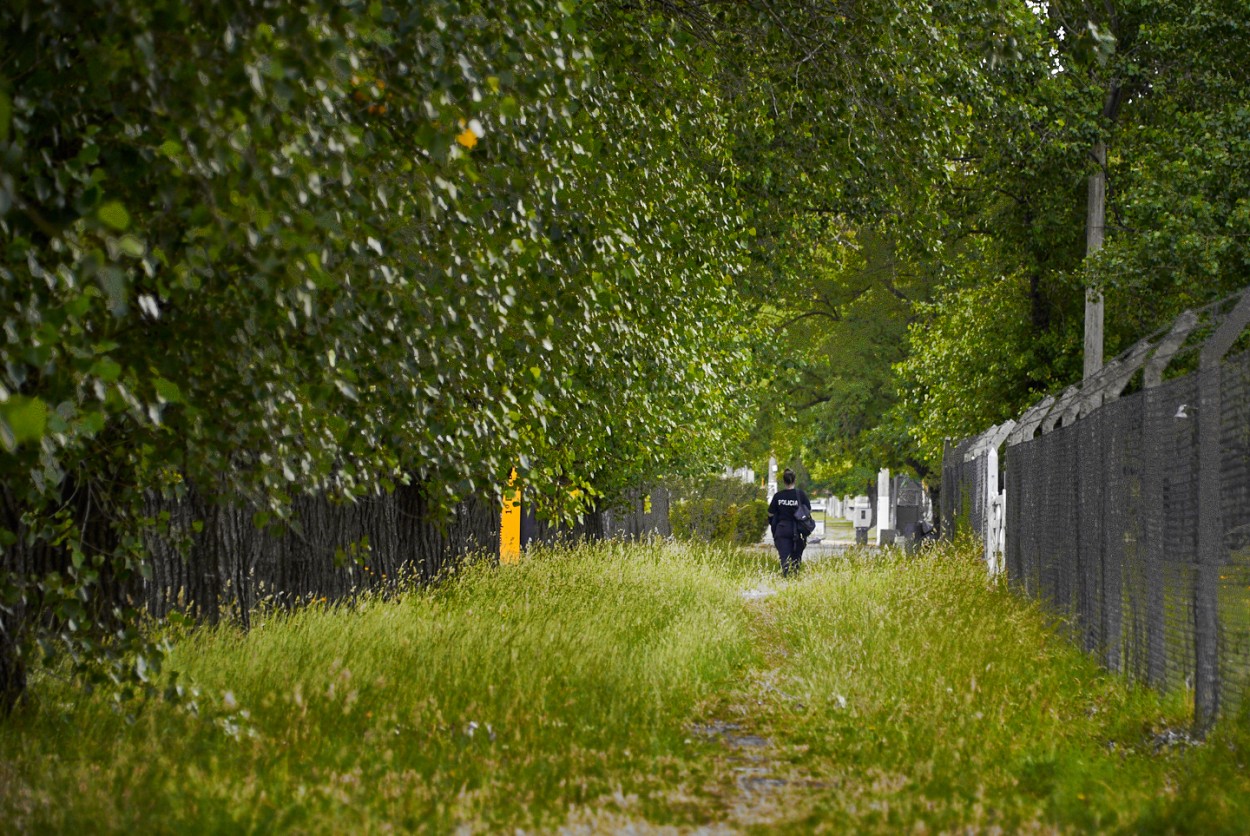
pixel 1130 513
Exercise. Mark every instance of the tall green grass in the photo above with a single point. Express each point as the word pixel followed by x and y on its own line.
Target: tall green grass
pixel 923 695
pixel 894 693
pixel 503 698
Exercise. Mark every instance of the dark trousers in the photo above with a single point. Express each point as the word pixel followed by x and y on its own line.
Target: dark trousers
pixel 790 550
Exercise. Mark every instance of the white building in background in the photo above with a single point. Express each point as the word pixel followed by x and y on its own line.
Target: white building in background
pixel 744 474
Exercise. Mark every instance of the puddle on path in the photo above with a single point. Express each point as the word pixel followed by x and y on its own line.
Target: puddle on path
pixel 754 781
pixel 714 728
pixel 747 741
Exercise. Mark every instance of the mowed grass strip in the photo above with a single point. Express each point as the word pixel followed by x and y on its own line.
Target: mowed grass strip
pixel 917 695
pixel 507 697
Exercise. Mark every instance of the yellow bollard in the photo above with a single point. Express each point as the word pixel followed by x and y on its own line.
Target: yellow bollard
pixel 510 524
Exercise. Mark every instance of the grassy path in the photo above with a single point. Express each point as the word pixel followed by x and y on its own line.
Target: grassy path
pixel 908 694
pixel 634 689
pixel 761 779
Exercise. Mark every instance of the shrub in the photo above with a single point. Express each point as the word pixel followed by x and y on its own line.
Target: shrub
pixel 703 515
pixel 751 522
pixel 708 520
pixel 679 519
pixel 725 523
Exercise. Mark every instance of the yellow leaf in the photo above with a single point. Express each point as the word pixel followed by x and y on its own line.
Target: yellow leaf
pixel 467 138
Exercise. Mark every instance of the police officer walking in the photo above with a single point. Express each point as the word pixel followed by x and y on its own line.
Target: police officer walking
pixel 787 537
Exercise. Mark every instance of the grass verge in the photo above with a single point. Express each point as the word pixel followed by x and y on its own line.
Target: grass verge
pixel 618 686
pixel 504 698
pixel 911 693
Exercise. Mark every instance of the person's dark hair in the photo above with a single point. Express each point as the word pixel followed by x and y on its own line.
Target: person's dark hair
pixel 788 477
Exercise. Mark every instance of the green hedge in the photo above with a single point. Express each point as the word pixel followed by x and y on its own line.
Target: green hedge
pixel 752 520
pixel 708 520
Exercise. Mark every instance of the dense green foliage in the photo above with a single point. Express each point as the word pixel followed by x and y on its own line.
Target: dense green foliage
pixel 719 509
pixel 707 520
pixel 273 248
pixel 301 250
pixel 269 248
pixel 924 245
pixel 576 690
pixel 846 123
pixel 1169 99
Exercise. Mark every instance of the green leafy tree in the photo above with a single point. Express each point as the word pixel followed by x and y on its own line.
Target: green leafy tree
pixel 1174 235
pixel 850 126
pixel 271 249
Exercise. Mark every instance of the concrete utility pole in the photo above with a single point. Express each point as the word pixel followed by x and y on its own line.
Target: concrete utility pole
pixel 1095 227
pixel 1096 214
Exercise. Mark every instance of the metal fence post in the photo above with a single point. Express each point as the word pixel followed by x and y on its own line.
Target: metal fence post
pixel 1152 497
pixel 1210 535
pixel 989 501
pixel 1210 515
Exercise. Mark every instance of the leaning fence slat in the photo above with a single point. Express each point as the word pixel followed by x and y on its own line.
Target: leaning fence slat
pixel 1058 415
pixel 1030 421
pixel 1167 348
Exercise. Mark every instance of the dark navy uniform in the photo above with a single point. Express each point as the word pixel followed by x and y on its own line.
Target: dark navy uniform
pixel 786 537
